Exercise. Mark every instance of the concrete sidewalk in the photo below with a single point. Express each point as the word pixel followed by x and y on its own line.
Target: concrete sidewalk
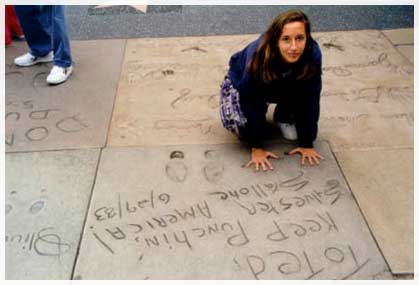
pixel 125 172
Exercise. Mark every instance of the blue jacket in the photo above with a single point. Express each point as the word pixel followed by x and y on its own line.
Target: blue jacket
pixel 300 97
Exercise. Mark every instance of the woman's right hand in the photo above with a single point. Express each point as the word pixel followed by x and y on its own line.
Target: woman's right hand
pixel 259 157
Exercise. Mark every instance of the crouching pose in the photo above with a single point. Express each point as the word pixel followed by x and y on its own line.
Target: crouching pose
pixel 283 66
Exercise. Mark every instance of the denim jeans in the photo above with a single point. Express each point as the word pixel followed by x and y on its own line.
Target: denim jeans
pixel 45 30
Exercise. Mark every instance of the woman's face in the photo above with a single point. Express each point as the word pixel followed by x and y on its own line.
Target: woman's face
pixel 292 41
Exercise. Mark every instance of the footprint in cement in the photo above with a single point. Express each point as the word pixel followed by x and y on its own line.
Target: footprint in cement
pixel 213 170
pixel 37 207
pixel 14 75
pixel 38 80
pixel 9 207
pixel 176 170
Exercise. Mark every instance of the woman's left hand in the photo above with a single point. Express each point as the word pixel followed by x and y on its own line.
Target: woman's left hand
pixel 307 153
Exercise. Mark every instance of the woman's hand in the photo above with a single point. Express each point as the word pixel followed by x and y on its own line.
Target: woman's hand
pixel 307 153
pixel 259 157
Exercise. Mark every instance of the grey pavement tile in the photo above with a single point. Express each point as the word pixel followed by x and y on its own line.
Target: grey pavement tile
pixel 382 182
pixel 46 200
pixel 75 114
pixel 194 212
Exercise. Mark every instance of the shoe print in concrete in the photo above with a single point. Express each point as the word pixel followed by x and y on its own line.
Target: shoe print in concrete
pixel 385 195
pixel 46 200
pixel 75 114
pixel 194 212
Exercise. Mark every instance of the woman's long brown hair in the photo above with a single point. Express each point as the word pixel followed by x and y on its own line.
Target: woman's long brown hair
pixel 264 64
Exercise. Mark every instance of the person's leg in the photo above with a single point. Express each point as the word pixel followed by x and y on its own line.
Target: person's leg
pixel 7 19
pixel 13 22
pixel 62 67
pixel 8 38
pixel 35 24
pixel 285 120
pixel 282 115
pixel 61 41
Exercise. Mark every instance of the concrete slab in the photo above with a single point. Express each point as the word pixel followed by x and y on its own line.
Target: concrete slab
pixel 367 88
pixel 382 182
pixel 47 195
pixel 193 212
pixel 75 114
pixel 408 52
pixel 400 36
pixel 183 75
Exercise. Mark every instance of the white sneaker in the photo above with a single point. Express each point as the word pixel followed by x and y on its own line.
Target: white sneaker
pixel 28 59
pixel 289 131
pixel 59 74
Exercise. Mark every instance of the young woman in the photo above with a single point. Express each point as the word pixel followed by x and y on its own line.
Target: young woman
pixel 282 66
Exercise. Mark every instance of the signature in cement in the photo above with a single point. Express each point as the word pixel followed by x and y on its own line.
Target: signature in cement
pixel 382 61
pixel 290 263
pixel 45 242
pixel 40 132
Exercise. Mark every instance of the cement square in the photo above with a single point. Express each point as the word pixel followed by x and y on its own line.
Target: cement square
pixel 367 88
pixel 382 182
pixel 194 212
pixel 75 114
pixel 168 93
pixel 400 36
pixel 46 200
